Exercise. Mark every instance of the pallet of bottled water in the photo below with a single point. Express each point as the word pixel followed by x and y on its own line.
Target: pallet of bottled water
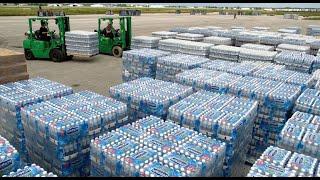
pixel 309 101
pixel 164 34
pixel 245 68
pixel 139 42
pixel 224 52
pixel 146 96
pixel 30 171
pixel 210 80
pixel 199 30
pixel 10 158
pixel 152 147
pixel 14 96
pixel 246 54
pixel 225 33
pixel 295 40
pixel 276 100
pixel 271 39
pixel 258 47
pixel 278 162
pixel 218 40
pixel 276 73
pixel 179 29
pixel 58 131
pixel 292 47
pixel 296 61
pixel 185 47
pixel 169 66
pixel 247 37
pixel 140 63
pixel 301 134
pixel 83 43
pixel 260 28
pixel 190 37
pixel 224 117
pixel 313 30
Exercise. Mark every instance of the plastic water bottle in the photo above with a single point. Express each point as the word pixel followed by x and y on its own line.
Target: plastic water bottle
pixel 302 164
pixel 133 162
pixel 9 159
pixel 276 156
pixel 156 169
pixel 187 166
pixel 30 171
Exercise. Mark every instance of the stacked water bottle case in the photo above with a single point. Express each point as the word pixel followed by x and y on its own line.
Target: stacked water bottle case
pixel 82 43
pixel 247 37
pixel 224 117
pixel 224 52
pixel 206 79
pixel 9 157
pixel 151 147
pixel 218 40
pixel 190 37
pixel 185 47
pixel 258 47
pixel 277 162
pixel 301 134
pixel 146 96
pixel 275 103
pixel 313 30
pixel 272 39
pixel 245 68
pixel 58 131
pixel 164 34
pixel 297 61
pixel 14 96
pixel 140 63
pixel 169 66
pixel 139 42
pixel 278 73
pixel 293 47
pixel 246 54
pixel 309 101
pixel 276 99
pixel 30 171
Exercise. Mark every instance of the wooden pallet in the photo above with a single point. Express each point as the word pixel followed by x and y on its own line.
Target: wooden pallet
pixel 13 68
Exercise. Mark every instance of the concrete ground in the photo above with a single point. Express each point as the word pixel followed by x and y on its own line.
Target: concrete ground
pixel 101 72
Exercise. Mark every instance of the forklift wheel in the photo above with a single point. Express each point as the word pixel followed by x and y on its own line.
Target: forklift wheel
pixel 117 51
pixel 69 57
pixel 28 54
pixel 56 55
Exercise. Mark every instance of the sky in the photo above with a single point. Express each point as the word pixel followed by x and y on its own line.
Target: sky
pixel 264 5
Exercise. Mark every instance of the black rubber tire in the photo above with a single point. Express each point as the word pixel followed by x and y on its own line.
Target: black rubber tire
pixel 69 57
pixel 117 51
pixel 28 54
pixel 56 55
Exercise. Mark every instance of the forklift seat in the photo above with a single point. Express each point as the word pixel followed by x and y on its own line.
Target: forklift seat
pixel 37 35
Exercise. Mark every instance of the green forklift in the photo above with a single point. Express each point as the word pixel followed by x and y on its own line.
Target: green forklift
pixel 54 48
pixel 120 39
